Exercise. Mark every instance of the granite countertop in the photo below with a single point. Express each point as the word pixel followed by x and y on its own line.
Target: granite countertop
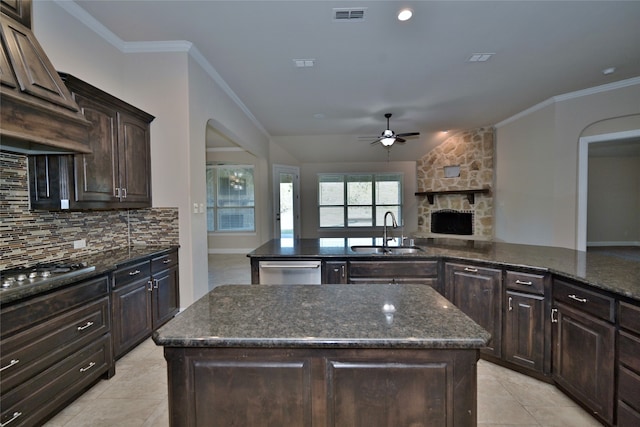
pixel 104 263
pixel 609 273
pixel 326 316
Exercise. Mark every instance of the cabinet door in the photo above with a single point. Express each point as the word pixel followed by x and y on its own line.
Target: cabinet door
pixel 335 272
pixel 524 330
pixel 20 10
pixel 477 291
pixel 97 173
pixel 165 296
pixel 584 359
pixel 132 320
pixel 134 160
pixel 32 67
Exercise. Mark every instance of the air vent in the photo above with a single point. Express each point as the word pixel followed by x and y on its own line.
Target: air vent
pixel 349 14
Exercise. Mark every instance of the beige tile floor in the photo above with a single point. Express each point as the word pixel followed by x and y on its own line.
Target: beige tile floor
pixel 137 394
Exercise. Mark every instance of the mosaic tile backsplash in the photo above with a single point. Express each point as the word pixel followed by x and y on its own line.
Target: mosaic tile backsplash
pixel 28 237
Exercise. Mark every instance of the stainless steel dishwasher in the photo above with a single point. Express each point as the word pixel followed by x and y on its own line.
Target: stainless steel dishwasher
pixel 303 272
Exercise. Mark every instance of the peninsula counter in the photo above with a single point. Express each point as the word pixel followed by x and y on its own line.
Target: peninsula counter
pixel 330 355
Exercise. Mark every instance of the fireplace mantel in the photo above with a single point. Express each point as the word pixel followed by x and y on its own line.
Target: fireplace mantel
pixel 471 194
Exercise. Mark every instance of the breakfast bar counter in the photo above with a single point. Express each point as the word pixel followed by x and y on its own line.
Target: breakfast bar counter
pixel 304 355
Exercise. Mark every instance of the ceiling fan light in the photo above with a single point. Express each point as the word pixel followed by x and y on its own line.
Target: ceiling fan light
pixel 405 15
pixel 387 142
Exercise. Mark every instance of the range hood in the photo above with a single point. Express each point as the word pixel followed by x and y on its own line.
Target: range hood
pixel 38 115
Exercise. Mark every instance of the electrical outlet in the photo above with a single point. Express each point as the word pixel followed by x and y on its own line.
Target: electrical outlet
pixel 79 244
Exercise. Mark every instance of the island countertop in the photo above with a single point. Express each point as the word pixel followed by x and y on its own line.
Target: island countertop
pixel 609 273
pixel 326 316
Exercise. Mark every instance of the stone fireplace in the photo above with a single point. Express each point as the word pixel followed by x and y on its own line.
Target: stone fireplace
pixel 450 173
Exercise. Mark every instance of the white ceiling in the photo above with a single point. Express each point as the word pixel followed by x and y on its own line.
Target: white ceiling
pixel 417 70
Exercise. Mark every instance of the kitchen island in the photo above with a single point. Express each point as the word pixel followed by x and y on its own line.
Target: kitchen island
pixel 330 355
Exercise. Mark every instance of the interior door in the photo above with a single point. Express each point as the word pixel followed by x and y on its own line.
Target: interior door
pixel 286 202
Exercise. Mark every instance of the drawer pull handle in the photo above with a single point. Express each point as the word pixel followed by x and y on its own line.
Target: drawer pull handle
pixel 13 362
pixel 13 418
pixel 85 326
pixel 134 272
pixel 575 298
pixel 150 287
pixel 520 282
pixel 89 366
pixel 471 270
pixel 155 283
pixel 554 319
pixel 166 261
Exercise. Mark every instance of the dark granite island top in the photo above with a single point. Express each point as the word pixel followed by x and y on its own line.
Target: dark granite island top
pixel 296 355
pixel 336 316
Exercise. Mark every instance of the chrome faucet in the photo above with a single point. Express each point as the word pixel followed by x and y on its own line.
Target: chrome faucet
pixel 394 224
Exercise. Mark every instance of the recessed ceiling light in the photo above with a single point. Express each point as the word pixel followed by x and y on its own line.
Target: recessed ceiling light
pixel 405 14
pixel 318 116
pixel 609 70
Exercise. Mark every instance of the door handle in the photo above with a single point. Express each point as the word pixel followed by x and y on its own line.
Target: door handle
pixel 510 306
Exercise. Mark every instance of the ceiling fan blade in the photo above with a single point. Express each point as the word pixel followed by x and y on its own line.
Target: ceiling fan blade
pixel 376 141
pixel 400 140
pixel 408 134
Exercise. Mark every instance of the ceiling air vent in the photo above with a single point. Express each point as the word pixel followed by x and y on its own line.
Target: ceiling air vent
pixel 349 14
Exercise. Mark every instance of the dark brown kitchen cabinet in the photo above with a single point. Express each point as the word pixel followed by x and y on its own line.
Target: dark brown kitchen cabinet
pixel 131 295
pixel 628 365
pixel 526 339
pixel 335 272
pixel 584 346
pixel 145 296
pixel 116 174
pixel 477 291
pixel 53 347
pixel 394 272
pixel 19 10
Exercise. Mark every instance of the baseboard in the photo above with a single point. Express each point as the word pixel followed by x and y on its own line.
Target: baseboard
pixel 623 243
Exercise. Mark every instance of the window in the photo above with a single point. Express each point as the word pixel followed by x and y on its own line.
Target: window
pixel 358 200
pixel 230 198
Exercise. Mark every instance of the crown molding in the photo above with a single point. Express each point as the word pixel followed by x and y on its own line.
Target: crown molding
pixel 571 95
pixel 96 26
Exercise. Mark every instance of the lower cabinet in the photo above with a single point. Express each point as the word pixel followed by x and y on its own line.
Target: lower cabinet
pixel 477 291
pixel 628 365
pixel 322 387
pixel 145 295
pixel 54 346
pixel 527 338
pixel 584 347
pixel 395 272
pixel 335 272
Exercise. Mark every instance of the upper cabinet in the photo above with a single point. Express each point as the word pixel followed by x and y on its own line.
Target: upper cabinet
pixel 37 111
pixel 19 10
pixel 117 172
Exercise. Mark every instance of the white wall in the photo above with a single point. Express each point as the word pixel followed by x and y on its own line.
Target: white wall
pixel 309 193
pixel 182 95
pixel 614 201
pixel 537 164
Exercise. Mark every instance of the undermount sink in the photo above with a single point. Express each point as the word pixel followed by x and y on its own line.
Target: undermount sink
pixel 396 250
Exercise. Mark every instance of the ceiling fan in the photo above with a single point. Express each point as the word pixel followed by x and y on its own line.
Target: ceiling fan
pixel 389 137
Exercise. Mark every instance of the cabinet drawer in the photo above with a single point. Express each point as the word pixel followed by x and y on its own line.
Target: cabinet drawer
pixel 28 353
pixel 131 273
pixel 525 282
pixel 627 417
pixel 20 316
pixel 629 388
pixel 629 350
pixel 433 282
pixel 393 269
pixel 585 300
pixel 36 398
pixel 629 317
pixel 163 262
